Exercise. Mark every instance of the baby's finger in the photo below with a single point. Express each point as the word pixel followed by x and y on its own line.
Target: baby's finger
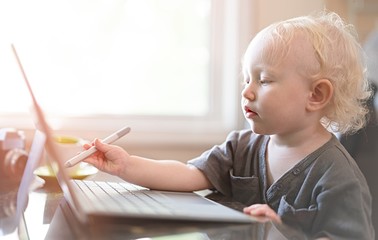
pixel 87 146
pixel 263 210
pixel 250 208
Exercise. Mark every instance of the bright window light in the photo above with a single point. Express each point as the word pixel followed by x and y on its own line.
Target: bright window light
pixel 107 57
pixel 169 69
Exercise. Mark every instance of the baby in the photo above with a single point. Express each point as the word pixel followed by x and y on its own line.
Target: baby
pixel 304 79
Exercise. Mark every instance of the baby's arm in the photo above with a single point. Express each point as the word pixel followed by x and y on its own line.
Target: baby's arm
pixel 155 174
pixel 164 174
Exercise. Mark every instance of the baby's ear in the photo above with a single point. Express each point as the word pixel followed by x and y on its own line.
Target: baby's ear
pixel 320 95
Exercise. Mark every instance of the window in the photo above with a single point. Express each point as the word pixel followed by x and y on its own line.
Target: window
pixel 160 66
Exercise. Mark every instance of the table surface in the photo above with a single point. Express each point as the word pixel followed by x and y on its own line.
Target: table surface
pixel 48 216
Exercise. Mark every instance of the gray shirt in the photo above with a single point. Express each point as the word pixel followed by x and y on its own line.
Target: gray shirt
pixel 325 194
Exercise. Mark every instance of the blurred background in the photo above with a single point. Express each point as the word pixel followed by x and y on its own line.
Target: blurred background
pixel 169 69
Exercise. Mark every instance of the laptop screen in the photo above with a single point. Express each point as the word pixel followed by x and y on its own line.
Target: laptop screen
pixel 55 160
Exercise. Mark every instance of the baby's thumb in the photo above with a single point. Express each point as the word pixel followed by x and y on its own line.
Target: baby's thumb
pixel 102 147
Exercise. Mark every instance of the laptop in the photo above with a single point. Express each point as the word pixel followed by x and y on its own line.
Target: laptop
pixel 93 201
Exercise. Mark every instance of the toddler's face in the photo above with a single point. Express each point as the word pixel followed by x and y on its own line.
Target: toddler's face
pixel 275 93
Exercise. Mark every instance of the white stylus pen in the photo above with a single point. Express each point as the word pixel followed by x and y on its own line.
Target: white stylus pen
pixel 110 139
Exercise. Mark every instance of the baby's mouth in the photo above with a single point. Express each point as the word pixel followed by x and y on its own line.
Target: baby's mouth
pixel 249 112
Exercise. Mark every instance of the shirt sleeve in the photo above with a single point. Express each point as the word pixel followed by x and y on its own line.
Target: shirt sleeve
pixel 216 163
pixel 233 167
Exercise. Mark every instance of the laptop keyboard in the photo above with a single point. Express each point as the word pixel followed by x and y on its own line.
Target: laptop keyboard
pixel 122 196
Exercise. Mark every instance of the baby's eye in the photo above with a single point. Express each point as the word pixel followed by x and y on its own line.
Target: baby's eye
pixel 264 81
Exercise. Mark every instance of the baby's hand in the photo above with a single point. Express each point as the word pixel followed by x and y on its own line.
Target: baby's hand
pixel 108 158
pixel 263 212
